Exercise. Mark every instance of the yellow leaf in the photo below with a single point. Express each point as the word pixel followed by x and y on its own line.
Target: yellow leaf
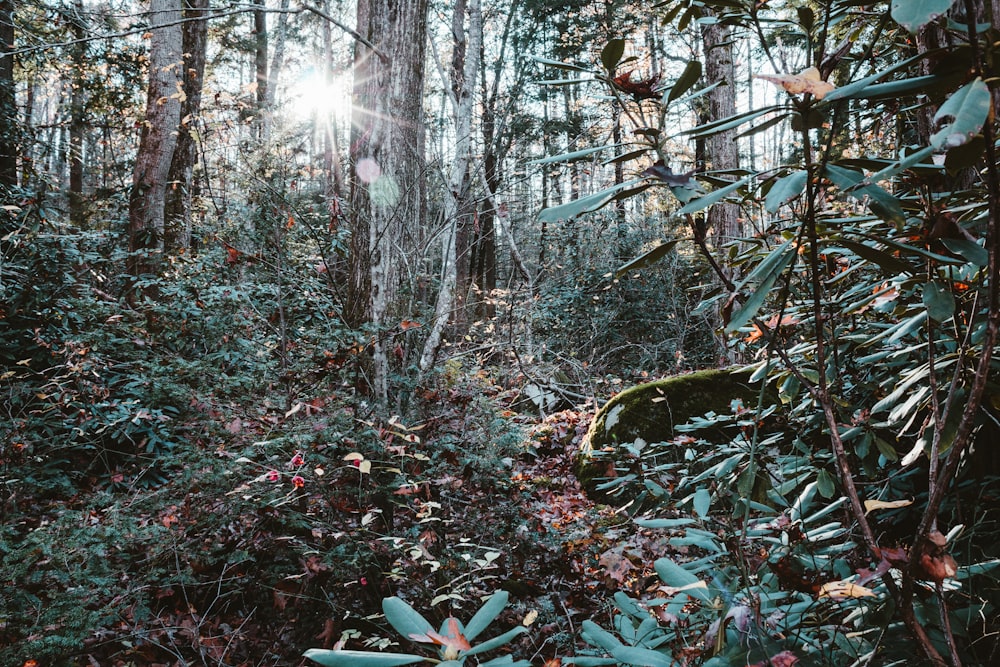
pixel 844 589
pixel 872 505
pixel 354 456
pixel 365 466
pixel 529 618
pixel 807 81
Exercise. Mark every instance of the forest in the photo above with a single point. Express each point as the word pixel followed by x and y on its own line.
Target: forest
pixel 365 333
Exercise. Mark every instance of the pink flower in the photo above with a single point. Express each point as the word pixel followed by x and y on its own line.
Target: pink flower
pixel 297 460
pixel 273 475
pixel 298 481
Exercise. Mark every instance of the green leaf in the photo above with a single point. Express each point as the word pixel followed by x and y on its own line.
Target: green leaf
pixel 573 156
pixel 915 14
pixel 785 189
pixel 968 109
pixel 600 637
pixel 939 301
pixel 712 197
pixel 702 502
pixel 486 614
pixel 676 576
pixel 649 257
pixel 612 53
pixel 729 123
pixel 663 523
pixel 405 619
pixel 505 661
pixel 969 250
pixel 498 641
pixel 558 63
pixel 890 264
pixel 900 165
pixel 825 484
pixel 690 76
pixel 859 88
pixel 592 202
pixel 643 657
pixel 881 203
pixel 768 272
pixel 360 658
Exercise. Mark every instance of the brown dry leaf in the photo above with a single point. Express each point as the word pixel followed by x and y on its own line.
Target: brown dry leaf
pixel 872 505
pixel 838 590
pixel 807 81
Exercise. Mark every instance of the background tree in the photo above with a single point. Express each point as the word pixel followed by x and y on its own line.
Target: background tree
pixel 158 138
pixel 8 107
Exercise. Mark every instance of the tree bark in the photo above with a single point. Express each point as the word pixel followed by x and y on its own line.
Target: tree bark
pixel 387 188
pixel 8 106
pixel 77 107
pixel 721 151
pixel 180 194
pixel 158 139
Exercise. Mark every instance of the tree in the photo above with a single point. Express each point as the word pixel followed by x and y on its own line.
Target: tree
pixel 158 139
pixel 464 73
pixel 387 149
pixel 8 106
pixel 178 222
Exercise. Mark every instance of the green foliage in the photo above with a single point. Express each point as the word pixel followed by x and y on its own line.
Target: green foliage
pixel 454 639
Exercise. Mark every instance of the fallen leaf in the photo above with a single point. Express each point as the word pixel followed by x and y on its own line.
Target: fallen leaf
pixel 838 590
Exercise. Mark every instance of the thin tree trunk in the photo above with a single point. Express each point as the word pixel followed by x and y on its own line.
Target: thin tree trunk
pixel 158 140
pixel 76 117
pixel 260 70
pixel 180 195
pixel 465 69
pixel 8 106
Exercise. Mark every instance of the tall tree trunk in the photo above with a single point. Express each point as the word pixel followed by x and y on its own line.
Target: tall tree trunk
pixel 8 106
pixel 464 70
pixel 77 103
pixel 180 195
pixel 387 191
pixel 721 151
pixel 158 139
pixel 260 69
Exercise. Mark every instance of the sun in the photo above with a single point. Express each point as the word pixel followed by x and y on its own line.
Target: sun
pixel 315 96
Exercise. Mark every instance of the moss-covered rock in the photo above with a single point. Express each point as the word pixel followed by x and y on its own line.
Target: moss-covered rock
pixel 651 411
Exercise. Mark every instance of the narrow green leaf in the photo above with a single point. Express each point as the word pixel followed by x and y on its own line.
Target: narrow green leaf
pixel 559 64
pixel 663 523
pixel 890 264
pixel 785 189
pixel 900 165
pixel 612 53
pixel 643 657
pixel 360 658
pixel 600 637
pixel 915 14
pixel 767 272
pixel 702 502
pixel 486 614
pixel 649 257
pixel 859 87
pixel 591 202
pixel 674 575
pixel 572 156
pixel 711 198
pixel 729 123
pixel 690 76
pixel 405 619
pixel 939 301
pixel 883 204
pixel 498 641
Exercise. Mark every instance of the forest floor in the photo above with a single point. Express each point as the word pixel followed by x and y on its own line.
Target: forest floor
pixel 249 548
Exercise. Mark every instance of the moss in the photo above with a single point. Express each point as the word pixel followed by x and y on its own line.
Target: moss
pixel 651 411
